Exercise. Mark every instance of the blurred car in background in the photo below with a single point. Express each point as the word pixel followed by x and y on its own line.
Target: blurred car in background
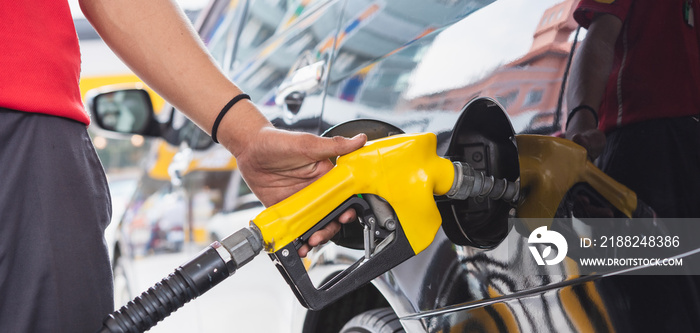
pixel 387 67
pixel 245 206
pixel 121 187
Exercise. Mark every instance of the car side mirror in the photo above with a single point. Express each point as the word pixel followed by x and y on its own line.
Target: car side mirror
pixel 123 110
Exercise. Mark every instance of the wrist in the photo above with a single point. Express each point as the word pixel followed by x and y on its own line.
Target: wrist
pixel 582 116
pixel 241 127
pixel 223 112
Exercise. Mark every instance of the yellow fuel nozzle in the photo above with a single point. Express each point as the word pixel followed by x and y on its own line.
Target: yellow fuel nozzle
pixel 405 170
pixel 550 167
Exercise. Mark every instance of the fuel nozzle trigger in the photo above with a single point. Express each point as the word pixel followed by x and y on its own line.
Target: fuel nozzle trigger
pixel 384 249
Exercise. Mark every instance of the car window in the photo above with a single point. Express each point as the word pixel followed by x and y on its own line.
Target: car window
pixel 262 20
pixel 275 42
pixel 281 26
pixel 422 83
pixel 221 30
pixel 371 29
pixel 266 18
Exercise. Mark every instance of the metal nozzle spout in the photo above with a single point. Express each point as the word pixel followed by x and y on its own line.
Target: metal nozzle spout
pixel 470 183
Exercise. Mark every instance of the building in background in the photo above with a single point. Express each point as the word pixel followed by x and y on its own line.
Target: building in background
pixel 528 87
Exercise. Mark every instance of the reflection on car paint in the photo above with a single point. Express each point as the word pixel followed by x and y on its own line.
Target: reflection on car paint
pixel 413 64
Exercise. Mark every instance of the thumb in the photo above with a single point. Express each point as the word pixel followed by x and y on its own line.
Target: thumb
pixel 338 145
pixel 581 139
pixel 593 141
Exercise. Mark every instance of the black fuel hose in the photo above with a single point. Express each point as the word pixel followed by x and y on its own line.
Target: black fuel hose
pixel 185 284
pixel 214 264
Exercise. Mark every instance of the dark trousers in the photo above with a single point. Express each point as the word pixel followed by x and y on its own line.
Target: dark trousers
pixel 660 161
pixel 55 274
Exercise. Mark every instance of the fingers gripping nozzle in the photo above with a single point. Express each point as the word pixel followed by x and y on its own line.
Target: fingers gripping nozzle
pixel 469 183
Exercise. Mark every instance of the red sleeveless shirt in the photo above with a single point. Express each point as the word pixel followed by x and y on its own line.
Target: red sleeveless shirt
pixel 40 59
pixel 656 69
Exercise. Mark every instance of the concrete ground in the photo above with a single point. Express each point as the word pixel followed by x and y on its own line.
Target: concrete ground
pixel 254 299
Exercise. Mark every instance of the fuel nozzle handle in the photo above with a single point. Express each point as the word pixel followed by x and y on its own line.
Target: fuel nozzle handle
pixel 469 183
pixel 214 264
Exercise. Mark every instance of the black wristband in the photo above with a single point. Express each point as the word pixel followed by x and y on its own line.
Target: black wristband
pixel 228 106
pixel 579 108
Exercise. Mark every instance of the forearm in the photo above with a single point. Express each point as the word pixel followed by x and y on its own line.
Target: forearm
pixel 589 76
pixel 593 63
pixel 157 42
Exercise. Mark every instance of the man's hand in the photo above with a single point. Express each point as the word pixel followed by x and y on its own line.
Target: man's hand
pixel 277 164
pixel 324 235
pixel 583 131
